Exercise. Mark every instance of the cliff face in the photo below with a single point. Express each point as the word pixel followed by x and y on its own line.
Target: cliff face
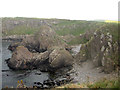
pixel 102 48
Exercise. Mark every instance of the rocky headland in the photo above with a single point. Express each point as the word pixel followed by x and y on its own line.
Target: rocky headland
pixel 83 48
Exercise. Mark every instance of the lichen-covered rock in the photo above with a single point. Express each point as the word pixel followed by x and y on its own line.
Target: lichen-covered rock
pixel 101 49
pixel 110 58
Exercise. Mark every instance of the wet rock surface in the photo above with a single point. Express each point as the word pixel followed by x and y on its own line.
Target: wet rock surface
pixel 51 83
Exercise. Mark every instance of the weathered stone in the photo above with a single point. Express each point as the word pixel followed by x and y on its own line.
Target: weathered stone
pixel 19 58
pixel 59 57
pixel 101 50
pixel 40 58
pixel 47 38
pixel 44 50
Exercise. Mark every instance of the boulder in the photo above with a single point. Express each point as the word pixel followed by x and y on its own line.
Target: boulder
pixel 47 38
pixel 51 60
pixel 60 57
pixel 30 43
pixel 22 58
pixel 19 58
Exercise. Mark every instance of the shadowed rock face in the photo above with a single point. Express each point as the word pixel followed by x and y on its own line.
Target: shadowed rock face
pixel 44 50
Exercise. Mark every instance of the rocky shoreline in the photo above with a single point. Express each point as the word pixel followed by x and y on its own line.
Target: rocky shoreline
pixel 44 50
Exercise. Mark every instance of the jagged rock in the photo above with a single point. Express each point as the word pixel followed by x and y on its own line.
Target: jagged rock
pixel 110 58
pixel 101 49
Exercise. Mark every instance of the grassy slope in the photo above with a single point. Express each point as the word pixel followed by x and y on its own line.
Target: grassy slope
pixel 104 83
pixel 62 27
pixel 22 30
pixel 75 27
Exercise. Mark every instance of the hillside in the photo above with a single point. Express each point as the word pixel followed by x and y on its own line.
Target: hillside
pixel 69 30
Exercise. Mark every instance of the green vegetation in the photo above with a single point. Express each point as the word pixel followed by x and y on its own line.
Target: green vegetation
pixel 77 40
pixel 21 30
pixel 111 28
pixel 105 84
pixel 75 27
pixel 62 27
pixel 23 26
